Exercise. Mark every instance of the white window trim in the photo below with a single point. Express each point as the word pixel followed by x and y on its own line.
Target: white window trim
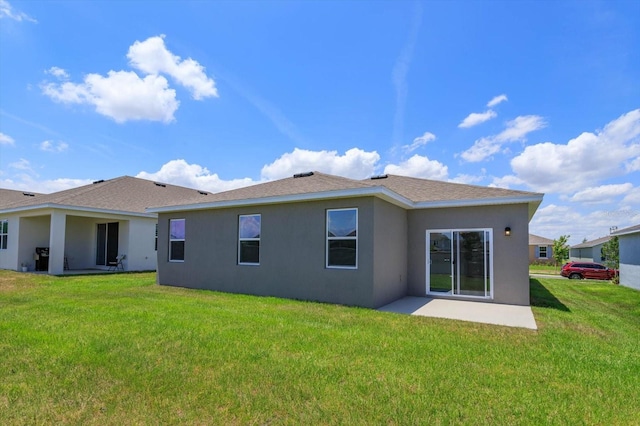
pixel 328 238
pixel 489 270
pixel 546 252
pixel 176 239
pixel 248 239
pixel 4 235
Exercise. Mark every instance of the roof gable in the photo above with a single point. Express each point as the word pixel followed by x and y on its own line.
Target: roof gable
pixel 536 240
pixel 593 243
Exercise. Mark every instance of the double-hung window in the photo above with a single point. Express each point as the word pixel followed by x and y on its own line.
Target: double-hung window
pixel 542 252
pixel 342 238
pixel 176 240
pixel 249 239
pixel 4 233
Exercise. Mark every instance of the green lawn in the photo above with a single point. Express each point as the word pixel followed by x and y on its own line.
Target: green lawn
pixel 544 269
pixel 118 349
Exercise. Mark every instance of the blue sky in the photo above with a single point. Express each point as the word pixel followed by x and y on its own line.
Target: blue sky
pixel 539 96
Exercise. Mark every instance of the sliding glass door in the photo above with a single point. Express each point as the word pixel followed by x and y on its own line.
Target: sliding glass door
pixel 459 262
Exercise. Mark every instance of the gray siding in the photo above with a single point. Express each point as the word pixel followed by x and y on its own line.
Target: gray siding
pixel 630 260
pixel 510 254
pixel 292 253
pixel 389 253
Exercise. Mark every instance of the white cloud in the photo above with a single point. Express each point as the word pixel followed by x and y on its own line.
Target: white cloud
pixel 53 147
pixel 152 57
pixel 400 71
pixel 355 163
pixel 6 10
pixel 25 182
pixel 516 130
pixel 601 194
pixel 506 182
pixel 6 139
pixel 22 164
pixel 122 96
pixel 583 161
pixel 476 118
pixel 419 141
pixel 468 179
pixel 419 166
pixel 179 172
pixel 57 72
pixel 496 100
pixel 552 221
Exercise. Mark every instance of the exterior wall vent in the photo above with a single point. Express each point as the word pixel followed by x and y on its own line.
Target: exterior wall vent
pixel 98 181
pixel 160 184
pixel 301 175
pixel 379 177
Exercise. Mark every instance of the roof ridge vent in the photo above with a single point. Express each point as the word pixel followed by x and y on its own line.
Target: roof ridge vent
pixel 160 184
pixel 98 181
pixel 301 175
pixel 379 177
pixel 28 194
pixel 203 193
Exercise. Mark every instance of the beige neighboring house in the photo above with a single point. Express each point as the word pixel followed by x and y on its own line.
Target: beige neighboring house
pixel 629 246
pixel 367 242
pixel 85 228
pixel 540 249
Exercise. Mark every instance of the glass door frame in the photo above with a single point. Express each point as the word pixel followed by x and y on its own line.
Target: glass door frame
pixel 455 271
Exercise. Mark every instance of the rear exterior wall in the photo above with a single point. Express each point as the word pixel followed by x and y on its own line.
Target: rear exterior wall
pixel 510 253
pixel 292 253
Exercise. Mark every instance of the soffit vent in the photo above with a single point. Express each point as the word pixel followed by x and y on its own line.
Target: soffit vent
pixel 301 175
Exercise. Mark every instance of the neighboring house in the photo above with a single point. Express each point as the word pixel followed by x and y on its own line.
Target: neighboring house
pixel 85 227
pixel 629 246
pixel 540 249
pixel 589 251
pixel 353 242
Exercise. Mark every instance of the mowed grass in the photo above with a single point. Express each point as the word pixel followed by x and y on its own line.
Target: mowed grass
pixel 545 269
pixel 118 349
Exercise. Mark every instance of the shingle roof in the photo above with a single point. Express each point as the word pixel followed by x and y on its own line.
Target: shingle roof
pixel 424 190
pixel 412 189
pixel 11 196
pixel 123 194
pixel 536 240
pixel 592 243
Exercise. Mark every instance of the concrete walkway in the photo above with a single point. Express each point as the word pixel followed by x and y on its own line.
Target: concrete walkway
pixel 488 313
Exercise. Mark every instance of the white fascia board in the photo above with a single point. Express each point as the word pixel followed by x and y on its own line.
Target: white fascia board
pixel 77 209
pixel 626 232
pixel 477 202
pixel 381 192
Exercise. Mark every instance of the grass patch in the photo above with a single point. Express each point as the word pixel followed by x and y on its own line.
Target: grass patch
pixel 544 269
pixel 119 349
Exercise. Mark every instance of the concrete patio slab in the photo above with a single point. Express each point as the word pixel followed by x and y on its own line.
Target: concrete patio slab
pixel 487 313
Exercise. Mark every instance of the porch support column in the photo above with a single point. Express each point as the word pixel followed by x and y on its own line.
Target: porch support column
pixel 56 242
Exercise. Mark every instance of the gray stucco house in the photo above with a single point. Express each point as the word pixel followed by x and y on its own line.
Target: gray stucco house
pixel 629 245
pixel 589 251
pixel 355 242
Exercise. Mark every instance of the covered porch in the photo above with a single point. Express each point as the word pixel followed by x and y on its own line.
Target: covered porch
pixel 61 242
